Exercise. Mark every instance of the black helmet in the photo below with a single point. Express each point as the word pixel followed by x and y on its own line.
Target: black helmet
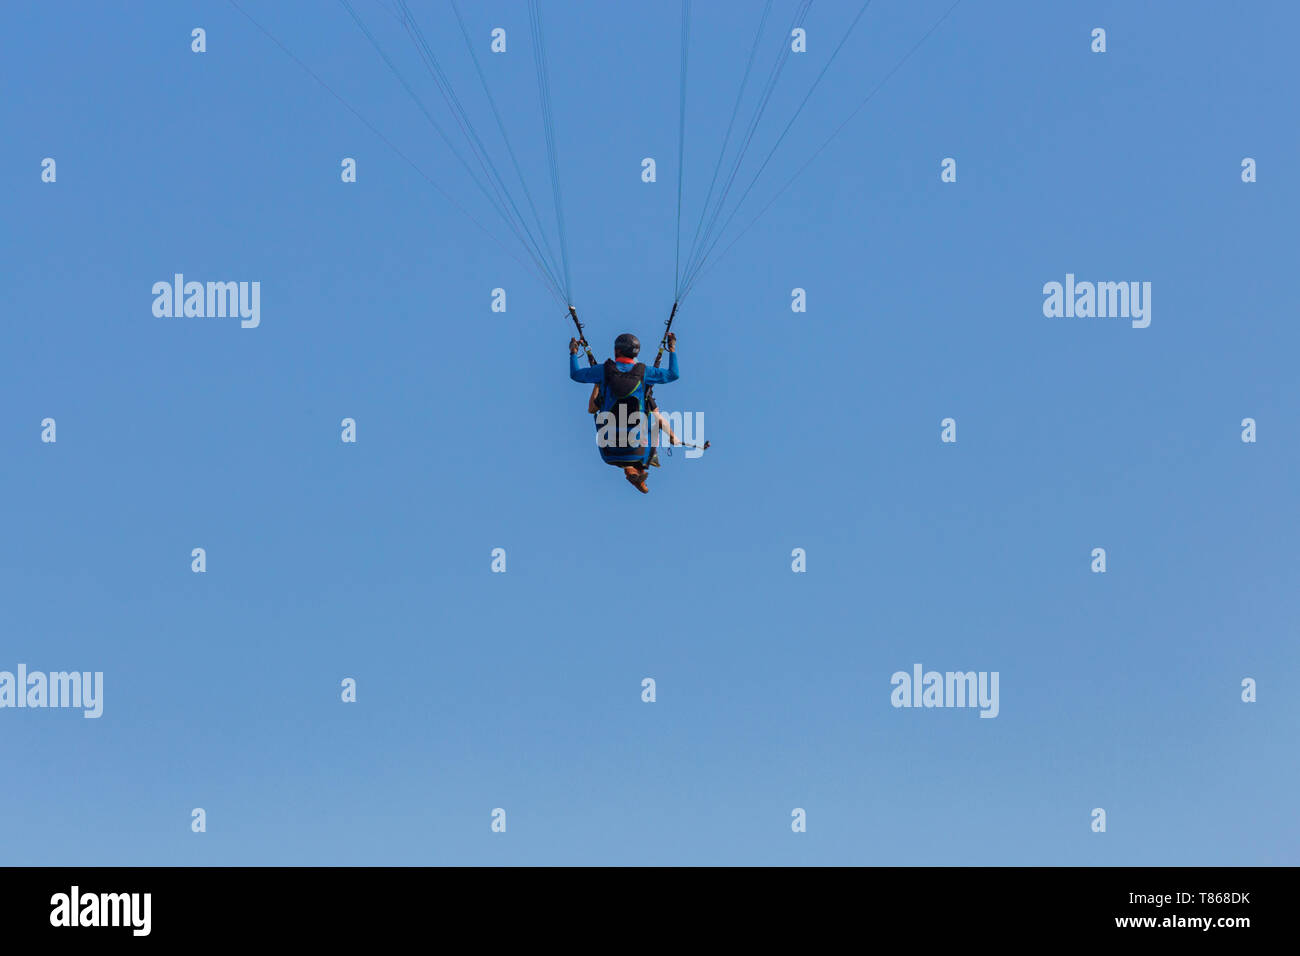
pixel 627 345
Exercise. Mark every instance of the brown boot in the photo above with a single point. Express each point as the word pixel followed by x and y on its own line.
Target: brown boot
pixel 636 477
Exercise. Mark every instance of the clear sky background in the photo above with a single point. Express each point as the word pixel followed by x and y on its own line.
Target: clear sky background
pixel 522 690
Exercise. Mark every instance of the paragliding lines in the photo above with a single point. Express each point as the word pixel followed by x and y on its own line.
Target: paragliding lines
pixel 765 97
pixel 548 118
pixel 528 196
pixel 711 239
pixel 535 269
pixel 726 139
pixel 777 145
pixel 553 275
pixel 681 141
pixel 501 199
pixel 820 149
pixel 472 137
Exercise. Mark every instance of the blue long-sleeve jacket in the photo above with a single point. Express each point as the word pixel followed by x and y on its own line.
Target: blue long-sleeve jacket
pixel 595 374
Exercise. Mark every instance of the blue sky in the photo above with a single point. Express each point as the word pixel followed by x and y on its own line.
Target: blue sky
pixel 522 690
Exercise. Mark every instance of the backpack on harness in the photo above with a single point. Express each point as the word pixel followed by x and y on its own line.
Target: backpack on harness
pixel 624 392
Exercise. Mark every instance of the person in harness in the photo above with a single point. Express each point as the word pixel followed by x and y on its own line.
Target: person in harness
pixel 623 409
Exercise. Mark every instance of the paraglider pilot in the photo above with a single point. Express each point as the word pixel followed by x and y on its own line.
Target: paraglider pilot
pixel 621 393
